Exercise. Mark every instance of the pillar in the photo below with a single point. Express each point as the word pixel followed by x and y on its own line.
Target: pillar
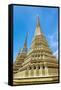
pixel 27 71
pixel 32 70
pixel 37 71
pixel 46 69
pixel 40 71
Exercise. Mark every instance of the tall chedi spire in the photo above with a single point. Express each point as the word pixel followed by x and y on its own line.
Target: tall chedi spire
pixel 20 57
pixel 24 50
pixel 39 39
pixel 38 29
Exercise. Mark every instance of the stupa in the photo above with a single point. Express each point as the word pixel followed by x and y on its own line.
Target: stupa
pixel 20 57
pixel 39 64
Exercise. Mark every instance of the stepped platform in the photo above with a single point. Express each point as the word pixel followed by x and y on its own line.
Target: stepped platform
pixel 35 80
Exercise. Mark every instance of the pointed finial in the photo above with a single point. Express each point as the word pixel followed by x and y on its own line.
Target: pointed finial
pixel 38 22
pixel 24 50
pixel 37 31
pixel 25 44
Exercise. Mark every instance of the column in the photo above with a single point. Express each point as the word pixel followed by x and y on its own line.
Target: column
pixel 27 71
pixel 37 71
pixel 46 69
pixel 32 70
pixel 40 71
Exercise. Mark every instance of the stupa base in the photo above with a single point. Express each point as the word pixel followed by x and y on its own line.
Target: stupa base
pixel 35 80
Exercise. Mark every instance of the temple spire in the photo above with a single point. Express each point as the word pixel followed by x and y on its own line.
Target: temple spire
pixel 24 50
pixel 37 30
pixel 25 43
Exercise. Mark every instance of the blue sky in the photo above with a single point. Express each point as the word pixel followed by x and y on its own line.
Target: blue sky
pixel 24 20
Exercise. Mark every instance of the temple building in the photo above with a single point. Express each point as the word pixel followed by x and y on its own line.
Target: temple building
pixel 37 63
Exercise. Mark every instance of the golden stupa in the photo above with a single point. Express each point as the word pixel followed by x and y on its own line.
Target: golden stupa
pixel 36 65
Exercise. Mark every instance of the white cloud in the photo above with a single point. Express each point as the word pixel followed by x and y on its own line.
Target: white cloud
pixel 56 53
pixel 53 43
